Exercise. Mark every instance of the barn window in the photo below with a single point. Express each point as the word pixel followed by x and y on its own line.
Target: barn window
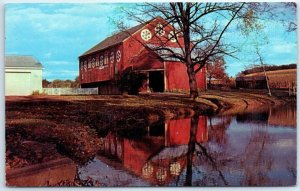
pixel 118 56
pixel 112 56
pixel 97 61
pixel 106 60
pixel 101 61
pixel 89 64
pixel 81 65
pixel 85 65
pixel 93 62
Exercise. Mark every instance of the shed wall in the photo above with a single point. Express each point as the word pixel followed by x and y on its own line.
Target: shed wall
pixel 19 81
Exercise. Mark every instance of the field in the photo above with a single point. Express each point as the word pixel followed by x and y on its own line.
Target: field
pixel 281 79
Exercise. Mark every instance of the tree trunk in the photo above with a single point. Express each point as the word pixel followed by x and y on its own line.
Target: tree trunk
pixel 189 63
pixel 209 82
pixel 263 65
pixel 267 81
pixel 191 150
pixel 192 82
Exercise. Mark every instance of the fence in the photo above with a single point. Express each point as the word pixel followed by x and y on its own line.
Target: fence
pixel 292 91
pixel 70 91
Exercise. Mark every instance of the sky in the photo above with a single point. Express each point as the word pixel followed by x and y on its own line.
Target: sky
pixel 57 34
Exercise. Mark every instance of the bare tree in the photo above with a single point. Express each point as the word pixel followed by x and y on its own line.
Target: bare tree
pixel 198 29
pixel 292 24
pixel 263 66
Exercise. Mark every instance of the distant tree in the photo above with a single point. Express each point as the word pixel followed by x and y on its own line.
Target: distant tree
pixel 45 83
pixel 216 69
pixel 76 83
pixel 62 83
pixel 67 83
pixel 57 83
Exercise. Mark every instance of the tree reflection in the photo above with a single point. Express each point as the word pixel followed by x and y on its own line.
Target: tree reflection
pixel 255 163
pixel 191 150
pixel 202 151
pixel 217 131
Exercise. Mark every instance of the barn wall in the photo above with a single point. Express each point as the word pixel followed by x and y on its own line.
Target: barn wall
pixel 22 81
pixel 138 57
pixel 177 78
pixel 97 72
pixel 201 79
pixel 104 88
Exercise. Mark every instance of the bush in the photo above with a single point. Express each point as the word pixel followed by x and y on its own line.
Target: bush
pixel 131 82
pixel 37 92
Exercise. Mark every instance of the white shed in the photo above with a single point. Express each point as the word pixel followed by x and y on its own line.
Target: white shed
pixel 23 75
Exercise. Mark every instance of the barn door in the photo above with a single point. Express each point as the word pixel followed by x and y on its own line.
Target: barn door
pixel 156 81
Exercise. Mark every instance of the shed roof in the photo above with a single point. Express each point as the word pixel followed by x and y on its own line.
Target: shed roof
pixel 22 61
pixel 115 39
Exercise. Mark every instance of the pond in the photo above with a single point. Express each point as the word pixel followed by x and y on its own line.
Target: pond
pixel 256 148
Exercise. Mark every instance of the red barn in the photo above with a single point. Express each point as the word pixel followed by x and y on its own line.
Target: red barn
pixel 102 65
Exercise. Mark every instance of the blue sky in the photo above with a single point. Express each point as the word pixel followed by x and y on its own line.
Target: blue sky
pixel 56 34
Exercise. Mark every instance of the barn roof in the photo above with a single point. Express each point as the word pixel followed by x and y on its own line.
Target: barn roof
pixel 115 39
pixel 22 61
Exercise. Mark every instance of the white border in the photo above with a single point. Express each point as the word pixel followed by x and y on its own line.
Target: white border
pixel 2 101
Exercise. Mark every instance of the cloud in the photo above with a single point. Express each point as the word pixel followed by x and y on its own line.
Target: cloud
pixel 48 54
pixel 59 63
pixel 54 21
pixel 285 48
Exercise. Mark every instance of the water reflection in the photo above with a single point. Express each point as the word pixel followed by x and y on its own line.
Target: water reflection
pixel 160 156
pixel 283 116
pixel 242 150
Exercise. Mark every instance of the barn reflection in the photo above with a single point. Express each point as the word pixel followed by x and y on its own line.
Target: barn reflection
pixel 160 156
